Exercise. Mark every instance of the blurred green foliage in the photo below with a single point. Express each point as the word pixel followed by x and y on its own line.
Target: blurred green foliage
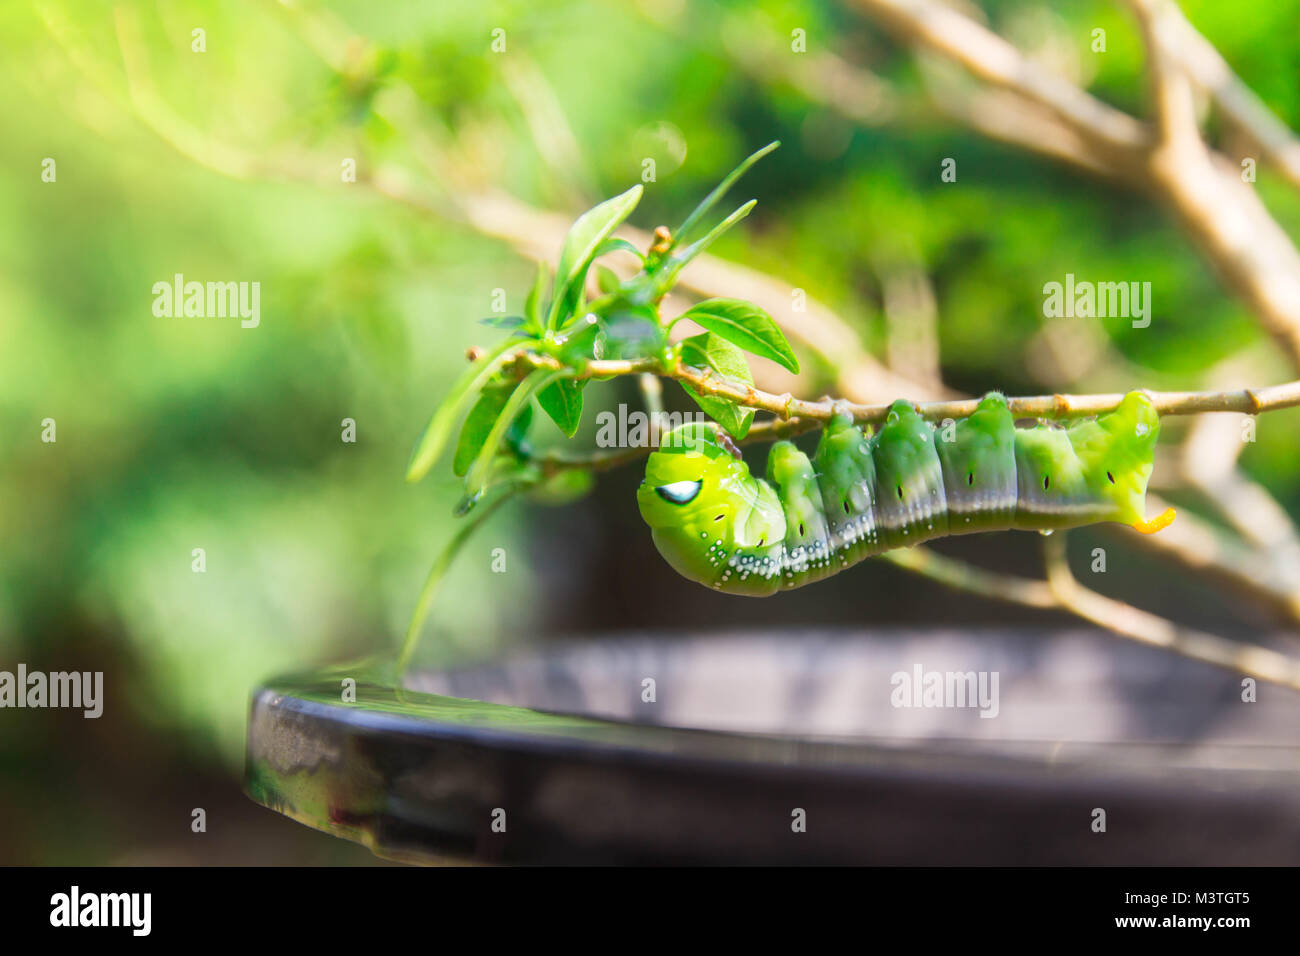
pixel 175 434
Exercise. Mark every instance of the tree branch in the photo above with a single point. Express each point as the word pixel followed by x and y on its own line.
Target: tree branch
pixel 1220 213
pixel 988 57
pixel 1198 547
pixel 1062 592
pixel 1147 628
pixel 1238 102
pixel 1249 401
pixel 1173 104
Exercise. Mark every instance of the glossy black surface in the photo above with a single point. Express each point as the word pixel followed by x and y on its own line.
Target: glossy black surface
pixel 745 730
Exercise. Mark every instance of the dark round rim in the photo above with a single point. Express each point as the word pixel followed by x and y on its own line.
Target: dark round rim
pixel 429 778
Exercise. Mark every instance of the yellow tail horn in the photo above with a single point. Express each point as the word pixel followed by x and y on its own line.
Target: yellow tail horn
pixel 1158 523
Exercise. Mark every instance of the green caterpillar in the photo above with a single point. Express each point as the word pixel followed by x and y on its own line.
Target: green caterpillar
pixel 862 494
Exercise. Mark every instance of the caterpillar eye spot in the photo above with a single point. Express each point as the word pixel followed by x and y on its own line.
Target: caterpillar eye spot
pixel 680 492
pixel 1111 477
pixel 719 517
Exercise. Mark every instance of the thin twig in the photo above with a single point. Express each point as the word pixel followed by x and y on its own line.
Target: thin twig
pixel 1198 547
pixel 988 57
pixel 436 573
pixel 1147 628
pixel 652 394
pixel 1248 401
pixel 962 576
pixel 1061 591
pixel 609 459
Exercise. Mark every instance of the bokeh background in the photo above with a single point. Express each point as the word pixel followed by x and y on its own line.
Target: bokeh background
pixel 226 164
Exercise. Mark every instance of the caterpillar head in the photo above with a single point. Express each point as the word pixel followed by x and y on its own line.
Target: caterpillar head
pixel 695 489
pixel 1116 452
pixel 688 474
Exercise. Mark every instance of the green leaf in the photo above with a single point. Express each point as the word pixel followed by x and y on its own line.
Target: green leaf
pixel 477 427
pixel 517 433
pixel 714 352
pixel 533 305
pixel 582 243
pixel 481 469
pixel 618 245
pixel 666 275
pixel 607 280
pixel 479 422
pixel 438 432
pixel 746 325
pixel 563 402
pixel 720 190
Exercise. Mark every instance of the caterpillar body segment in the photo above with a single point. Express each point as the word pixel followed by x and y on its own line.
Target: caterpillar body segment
pixel 863 493
pixel 979 464
pixel 913 503
pixel 847 471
